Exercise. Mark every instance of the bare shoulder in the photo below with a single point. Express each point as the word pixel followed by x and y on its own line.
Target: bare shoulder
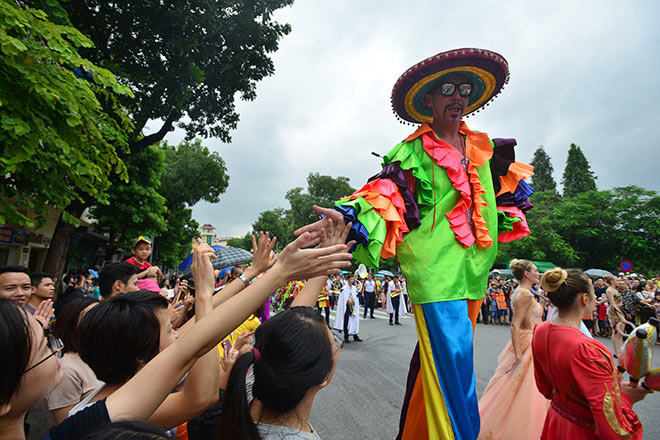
pixel 523 293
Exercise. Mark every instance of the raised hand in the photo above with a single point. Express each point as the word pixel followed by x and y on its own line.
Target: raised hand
pixel 245 337
pixel 336 233
pixel 297 263
pixel 202 269
pixel 261 249
pixel 328 214
pixel 44 312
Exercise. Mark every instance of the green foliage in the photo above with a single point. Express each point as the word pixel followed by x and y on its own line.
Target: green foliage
pixel 60 123
pixel 594 229
pixel 183 58
pixel 545 243
pixel 276 222
pixel 191 173
pixel 244 242
pixel 165 181
pixel 174 243
pixel 578 176
pixel 321 191
pixel 542 179
pixel 135 208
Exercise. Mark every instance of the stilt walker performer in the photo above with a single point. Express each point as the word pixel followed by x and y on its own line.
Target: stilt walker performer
pixel 443 199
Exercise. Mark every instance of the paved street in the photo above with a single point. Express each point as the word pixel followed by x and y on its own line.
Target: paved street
pixel 364 398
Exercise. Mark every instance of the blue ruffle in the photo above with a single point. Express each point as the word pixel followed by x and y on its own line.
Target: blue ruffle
pixel 358 232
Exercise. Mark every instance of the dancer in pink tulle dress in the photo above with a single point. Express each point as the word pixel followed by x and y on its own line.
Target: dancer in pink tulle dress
pixel 511 406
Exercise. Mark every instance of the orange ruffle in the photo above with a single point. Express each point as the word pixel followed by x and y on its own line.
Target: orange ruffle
pixel 479 150
pixel 384 196
pixel 517 172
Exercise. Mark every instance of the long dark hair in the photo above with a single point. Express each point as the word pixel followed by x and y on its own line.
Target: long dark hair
pixel 295 355
pixel 15 345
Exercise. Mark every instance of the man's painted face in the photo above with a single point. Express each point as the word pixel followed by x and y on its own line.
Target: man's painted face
pixel 448 108
pixel 15 286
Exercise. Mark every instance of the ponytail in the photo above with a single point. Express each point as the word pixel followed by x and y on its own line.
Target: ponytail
pixel 293 353
pixel 235 420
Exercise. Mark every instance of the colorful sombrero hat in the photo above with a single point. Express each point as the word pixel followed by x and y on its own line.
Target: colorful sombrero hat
pixel 487 71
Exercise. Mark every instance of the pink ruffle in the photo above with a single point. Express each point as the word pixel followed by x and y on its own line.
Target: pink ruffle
pixel 468 185
pixel 520 229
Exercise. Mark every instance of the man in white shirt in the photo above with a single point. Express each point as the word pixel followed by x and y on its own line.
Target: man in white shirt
pixel 369 294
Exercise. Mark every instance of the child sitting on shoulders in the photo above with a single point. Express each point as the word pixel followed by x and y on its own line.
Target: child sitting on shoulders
pixel 148 274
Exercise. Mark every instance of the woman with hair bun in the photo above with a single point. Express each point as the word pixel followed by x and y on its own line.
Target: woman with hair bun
pixel 577 372
pixel 511 406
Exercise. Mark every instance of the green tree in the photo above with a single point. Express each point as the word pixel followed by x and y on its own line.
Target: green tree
pixel 275 222
pixel 180 59
pixel 244 242
pixel 545 242
pixel 322 191
pixel 135 208
pixel 636 228
pixel 578 176
pixel 165 181
pixel 542 179
pixel 60 126
pixel 192 173
pixel 594 229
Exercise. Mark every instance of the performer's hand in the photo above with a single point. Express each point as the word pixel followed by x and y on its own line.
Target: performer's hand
pixel 315 228
pixel 634 392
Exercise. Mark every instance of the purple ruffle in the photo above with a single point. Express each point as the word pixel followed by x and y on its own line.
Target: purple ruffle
pixel 394 172
pixel 503 156
pixel 519 198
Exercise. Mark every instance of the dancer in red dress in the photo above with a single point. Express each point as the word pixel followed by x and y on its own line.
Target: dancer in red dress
pixel 577 372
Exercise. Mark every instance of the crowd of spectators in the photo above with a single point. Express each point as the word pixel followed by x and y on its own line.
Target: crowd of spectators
pixel 127 351
pixel 639 294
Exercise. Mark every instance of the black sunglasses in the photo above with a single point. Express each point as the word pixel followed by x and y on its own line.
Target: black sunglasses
pixel 448 89
pixel 55 344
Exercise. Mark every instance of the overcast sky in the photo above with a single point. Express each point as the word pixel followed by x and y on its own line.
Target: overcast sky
pixel 581 71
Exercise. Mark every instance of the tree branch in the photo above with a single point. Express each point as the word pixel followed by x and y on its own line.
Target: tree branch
pixel 142 143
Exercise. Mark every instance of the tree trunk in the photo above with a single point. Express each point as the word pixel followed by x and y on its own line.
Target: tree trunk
pixel 59 245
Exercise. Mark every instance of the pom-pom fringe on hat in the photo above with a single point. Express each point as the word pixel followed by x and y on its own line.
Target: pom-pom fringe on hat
pixel 487 72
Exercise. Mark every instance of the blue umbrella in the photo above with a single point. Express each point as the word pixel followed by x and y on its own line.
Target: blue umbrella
pixel 185 264
pixel 226 257
pixel 386 273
